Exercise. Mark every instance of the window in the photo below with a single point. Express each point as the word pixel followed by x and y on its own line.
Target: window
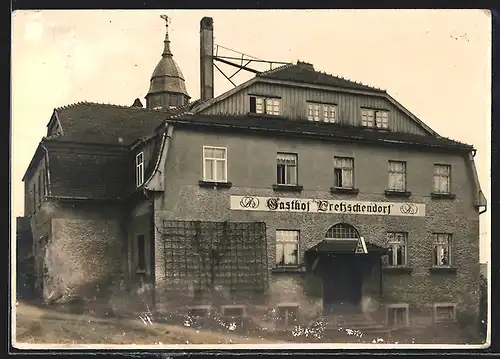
pixel 377 118
pixel 444 312
pixel 199 311
pixel 141 254
pixel 313 111
pixel 287 314
pixel 342 231
pixel 381 119
pixel 234 311
pixel 265 105
pixel 287 169
pixel 441 255
pixel 214 164
pixel 321 112
pixel 344 172
pixel 397 245
pixel 397 315
pixel 139 169
pixel 442 179
pixel 287 248
pixel 397 176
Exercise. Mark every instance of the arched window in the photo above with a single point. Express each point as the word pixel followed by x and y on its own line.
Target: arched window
pixel 342 231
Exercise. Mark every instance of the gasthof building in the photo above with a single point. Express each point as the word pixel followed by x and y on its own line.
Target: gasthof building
pixel 294 194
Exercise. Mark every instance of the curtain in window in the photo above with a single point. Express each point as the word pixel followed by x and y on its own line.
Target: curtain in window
pixel 397 176
pixel 442 179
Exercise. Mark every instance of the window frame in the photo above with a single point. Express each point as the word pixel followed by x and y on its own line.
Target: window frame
pixel 448 177
pixel 214 164
pixel 284 322
pixel 374 123
pixel 139 169
pixel 320 112
pixel 444 305
pixel 342 170
pixel 392 243
pixel 403 173
pixel 267 104
pixel 395 307
pixel 435 244
pixel 296 166
pixel 281 241
pixel 233 306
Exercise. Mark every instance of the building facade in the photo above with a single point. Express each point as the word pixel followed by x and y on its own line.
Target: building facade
pixel 295 194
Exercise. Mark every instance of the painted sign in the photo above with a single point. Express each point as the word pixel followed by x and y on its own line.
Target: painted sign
pixel 361 246
pixel 307 205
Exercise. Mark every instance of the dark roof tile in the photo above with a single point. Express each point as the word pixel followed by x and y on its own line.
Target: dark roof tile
pixel 306 128
pixel 305 73
pixel 88 122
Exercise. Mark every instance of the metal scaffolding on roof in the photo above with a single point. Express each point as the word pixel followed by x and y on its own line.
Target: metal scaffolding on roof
pixel 241 61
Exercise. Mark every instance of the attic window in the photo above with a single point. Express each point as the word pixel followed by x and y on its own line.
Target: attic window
pixel 321 112
pixel 374 118
pixel 139 169
pixel 265 105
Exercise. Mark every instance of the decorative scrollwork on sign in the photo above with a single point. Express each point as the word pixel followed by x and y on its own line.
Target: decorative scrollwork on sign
pixel 249 202
pixel 408 208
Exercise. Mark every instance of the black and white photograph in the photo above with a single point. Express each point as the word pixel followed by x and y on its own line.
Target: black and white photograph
pixel 250 179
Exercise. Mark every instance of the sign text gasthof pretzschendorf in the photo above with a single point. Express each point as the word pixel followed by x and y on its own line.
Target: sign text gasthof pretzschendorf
pixel 307 205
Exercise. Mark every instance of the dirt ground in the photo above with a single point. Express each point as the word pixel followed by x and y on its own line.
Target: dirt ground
pixel 38 324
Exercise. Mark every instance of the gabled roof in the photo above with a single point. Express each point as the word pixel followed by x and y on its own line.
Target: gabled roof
pixel 305 128
pixel 305 72
pixel 88 122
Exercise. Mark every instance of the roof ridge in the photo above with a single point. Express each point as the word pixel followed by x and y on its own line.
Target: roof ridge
pixel 79 103
pixel 279 68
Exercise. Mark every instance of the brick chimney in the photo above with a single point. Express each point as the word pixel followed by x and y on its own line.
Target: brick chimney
pixel 206 58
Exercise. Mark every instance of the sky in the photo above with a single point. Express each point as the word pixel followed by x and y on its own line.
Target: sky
pixel 437 63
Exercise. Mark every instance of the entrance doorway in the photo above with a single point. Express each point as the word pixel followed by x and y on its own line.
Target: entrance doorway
pixel 342 282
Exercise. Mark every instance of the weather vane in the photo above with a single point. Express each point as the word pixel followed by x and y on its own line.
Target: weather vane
pixel 166 18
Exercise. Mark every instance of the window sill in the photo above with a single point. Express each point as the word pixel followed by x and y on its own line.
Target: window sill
pixel 140 271
pixel 344 190
pixel 393 193
pixel 443 269
pixel 398 269
pixel 287 187
pixel 213 184
pixel 288 270
pixel 443 195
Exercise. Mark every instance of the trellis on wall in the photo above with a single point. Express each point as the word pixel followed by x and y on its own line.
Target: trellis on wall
pixel 210 255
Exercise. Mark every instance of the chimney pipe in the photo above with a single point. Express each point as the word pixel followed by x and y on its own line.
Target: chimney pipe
pixel 206 58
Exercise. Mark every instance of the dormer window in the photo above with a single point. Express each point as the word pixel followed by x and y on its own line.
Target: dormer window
pixel 265 104
pixel 139 169
pixel 323 112
pixel 374 118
